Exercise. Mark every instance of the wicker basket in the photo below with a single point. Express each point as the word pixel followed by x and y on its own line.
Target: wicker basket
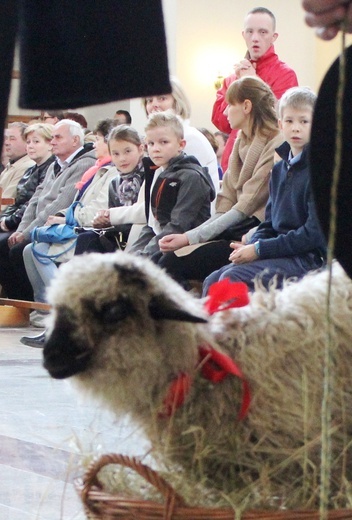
pixel 100 505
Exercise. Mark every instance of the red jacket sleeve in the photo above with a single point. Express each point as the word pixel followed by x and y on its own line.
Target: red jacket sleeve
pixel 218 118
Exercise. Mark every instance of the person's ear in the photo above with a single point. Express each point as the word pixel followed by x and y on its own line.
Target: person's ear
pixel 280 123
pixel 275 35
pixel 182 144
pixel 247 106
pixel 76 140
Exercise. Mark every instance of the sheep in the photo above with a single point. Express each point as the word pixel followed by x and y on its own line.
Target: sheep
pixel 125 332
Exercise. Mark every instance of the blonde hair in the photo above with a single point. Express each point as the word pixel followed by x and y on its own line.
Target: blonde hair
pixel 45 130
pixel 263 119
pixel 181 106
pixel 165 119
pixel 298 98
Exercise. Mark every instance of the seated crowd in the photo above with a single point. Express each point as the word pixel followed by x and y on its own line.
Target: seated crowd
pixel 160 196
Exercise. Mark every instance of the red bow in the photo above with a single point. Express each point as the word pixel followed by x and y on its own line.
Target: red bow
pixel 225 294
pixel 216 366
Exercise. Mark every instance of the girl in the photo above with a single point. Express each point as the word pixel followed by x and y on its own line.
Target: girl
pixel 241 203
pixel 127 150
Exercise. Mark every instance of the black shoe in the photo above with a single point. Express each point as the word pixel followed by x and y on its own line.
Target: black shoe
pixel 34 341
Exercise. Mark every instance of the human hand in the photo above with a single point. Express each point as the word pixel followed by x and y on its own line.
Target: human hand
pixel 15 238
pixel 242 254
pixel 244 68
pixel 54 219
pixel 327 15
pixel 102 219
pixel 172 242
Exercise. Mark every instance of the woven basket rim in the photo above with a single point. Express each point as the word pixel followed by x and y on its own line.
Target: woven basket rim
pixel 102 504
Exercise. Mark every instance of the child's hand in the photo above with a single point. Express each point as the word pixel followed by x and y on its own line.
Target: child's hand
pixel 242 254
pixel 101 219
pixel 172 242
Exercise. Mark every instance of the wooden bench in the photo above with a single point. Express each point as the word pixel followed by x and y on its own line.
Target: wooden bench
pixel 15 313
pixel 5 201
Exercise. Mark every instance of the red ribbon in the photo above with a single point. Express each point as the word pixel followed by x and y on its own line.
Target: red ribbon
pixel 225 295
pixel 178 390
pixel 215 366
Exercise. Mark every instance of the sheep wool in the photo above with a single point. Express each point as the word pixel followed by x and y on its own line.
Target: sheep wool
pixel 130 332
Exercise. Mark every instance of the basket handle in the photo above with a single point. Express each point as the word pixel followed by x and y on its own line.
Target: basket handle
pixel 172 499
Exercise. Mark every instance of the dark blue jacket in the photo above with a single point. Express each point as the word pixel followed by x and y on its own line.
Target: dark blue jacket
pixel 291 226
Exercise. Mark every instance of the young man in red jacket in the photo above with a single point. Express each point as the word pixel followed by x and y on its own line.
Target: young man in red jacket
pixel 260 60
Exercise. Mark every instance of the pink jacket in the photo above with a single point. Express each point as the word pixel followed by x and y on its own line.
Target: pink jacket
pixel 279 76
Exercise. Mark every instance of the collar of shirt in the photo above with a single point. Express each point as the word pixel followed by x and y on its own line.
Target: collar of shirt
pixel 69 159
pixel 293 159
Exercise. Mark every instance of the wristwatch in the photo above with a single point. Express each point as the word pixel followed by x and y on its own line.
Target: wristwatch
pixel 257 248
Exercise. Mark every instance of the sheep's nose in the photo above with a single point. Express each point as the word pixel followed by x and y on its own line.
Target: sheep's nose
pixel 64 353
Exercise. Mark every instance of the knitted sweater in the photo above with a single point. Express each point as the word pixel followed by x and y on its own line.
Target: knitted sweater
pixel 245 188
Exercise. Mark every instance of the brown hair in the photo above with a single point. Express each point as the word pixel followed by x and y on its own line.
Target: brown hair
pixel 263 114
pixel 125 133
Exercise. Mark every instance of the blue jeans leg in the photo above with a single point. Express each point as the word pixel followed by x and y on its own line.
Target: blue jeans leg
pixel 40 274
pixel 266 270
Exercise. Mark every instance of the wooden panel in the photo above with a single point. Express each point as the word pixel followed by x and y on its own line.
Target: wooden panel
pixel 23 118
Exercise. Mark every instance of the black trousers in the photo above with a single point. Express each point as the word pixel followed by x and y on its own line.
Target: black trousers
pixel 13 275
pixel 197 265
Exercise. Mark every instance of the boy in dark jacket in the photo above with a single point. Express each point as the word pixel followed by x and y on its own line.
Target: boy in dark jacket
pixel 178 191
pixel 289 243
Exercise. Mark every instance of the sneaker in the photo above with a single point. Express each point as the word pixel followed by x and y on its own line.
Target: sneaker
pixel 37 319
pixel 34 341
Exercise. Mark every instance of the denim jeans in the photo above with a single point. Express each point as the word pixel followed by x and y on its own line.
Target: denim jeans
pixel 40 273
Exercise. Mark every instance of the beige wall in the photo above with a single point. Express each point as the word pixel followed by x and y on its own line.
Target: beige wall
pixel 210 42
pixel 204 39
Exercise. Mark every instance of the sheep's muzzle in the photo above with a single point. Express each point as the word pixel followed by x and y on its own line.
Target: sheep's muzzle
pixel 65 354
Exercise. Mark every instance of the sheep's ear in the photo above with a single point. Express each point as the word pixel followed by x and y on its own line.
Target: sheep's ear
pixel 162 309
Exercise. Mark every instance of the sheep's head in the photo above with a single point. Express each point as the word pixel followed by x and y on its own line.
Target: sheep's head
pixel 118 312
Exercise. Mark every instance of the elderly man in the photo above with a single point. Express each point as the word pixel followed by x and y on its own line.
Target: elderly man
pixel 19 162
pixel 259 34
pixel 56 192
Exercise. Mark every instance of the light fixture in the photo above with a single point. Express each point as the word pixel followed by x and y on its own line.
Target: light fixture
pixel 218 82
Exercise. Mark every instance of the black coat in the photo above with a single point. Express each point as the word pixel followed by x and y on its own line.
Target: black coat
pixel 25 189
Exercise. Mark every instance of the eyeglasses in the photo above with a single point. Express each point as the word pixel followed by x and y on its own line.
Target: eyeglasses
pixel 44 118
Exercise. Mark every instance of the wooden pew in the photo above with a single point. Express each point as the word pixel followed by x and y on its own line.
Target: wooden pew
pixel 15 313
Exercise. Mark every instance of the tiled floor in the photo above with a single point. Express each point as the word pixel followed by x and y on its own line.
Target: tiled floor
pixel 46 430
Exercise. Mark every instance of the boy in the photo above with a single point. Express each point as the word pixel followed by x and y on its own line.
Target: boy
pixel 289 243
pixel 178 191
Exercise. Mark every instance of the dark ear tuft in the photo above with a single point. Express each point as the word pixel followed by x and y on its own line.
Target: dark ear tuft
pixel 161 308
pixel 131 276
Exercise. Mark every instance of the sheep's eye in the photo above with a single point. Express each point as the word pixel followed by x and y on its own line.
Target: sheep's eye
pixel 114 312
